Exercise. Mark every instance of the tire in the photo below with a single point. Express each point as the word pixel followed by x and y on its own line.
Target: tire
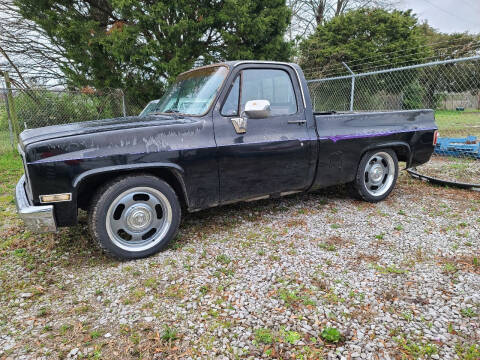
pixel 134 216
pixel 376 175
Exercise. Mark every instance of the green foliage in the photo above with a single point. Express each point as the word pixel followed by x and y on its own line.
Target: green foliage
pixel 224 259
pixel 468 312
pixel 389 36
pixel 139 45
pixel 263 336
pixel 169 334
pixel 413 96
pixel 331 335
pixel 467 352
pixel 416 350
pixel 292 337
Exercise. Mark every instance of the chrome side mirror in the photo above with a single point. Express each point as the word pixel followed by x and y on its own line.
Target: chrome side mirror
pixel 257 109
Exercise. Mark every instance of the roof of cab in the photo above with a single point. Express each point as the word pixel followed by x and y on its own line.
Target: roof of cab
pixel 234 63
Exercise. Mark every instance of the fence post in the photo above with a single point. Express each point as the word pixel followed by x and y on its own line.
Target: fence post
pixel 123 104
pixel 10 130
pixel 352 92
pixel 11 104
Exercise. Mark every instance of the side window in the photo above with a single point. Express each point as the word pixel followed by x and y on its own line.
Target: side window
pixel 272 85
pixel 230 106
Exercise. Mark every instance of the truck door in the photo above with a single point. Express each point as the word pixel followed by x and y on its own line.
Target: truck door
pixel 273 155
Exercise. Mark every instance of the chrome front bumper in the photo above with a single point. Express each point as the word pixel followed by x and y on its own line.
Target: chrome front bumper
pixel 36 218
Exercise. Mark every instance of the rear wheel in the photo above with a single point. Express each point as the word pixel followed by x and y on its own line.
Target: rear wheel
pixel 134 216
pixel 376 175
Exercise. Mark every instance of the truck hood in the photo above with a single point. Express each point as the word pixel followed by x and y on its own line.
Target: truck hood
pixel 31 136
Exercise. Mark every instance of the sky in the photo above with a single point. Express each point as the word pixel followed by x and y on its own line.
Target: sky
pixel 447 16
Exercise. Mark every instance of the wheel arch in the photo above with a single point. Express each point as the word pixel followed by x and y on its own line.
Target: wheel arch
pixel 401 149
pixel 86 184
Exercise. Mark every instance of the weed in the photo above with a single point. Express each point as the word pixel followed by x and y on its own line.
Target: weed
pixel 407 315
pixel 223 259
pixel 328 247
pixel 292 337
pixel 468 312
pixel 450 268
pixel 307 301
pixel 390 269
pixel 288 296
pixel 466 352
pixel 95 334
pixel 335 226
pixel 331 335
pixel 416 350
pixel 43 311
pixel 263 336
pixel 150 282
pixel 169 334
pixel 204 289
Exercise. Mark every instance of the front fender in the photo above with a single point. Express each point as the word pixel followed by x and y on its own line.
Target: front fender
pixel 126 167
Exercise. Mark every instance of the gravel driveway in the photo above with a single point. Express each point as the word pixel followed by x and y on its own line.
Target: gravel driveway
pixel 306 277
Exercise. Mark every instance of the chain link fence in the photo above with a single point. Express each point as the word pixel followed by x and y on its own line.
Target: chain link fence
pixel 450 87
pixel 26 109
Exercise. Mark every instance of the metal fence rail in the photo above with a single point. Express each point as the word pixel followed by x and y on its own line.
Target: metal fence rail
pixel 450 87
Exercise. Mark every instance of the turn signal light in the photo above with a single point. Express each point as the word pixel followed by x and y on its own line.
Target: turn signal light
pixel 55 198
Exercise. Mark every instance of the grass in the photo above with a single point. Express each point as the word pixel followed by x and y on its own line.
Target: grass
pixel 452 123
pixel 169 334
pixel 5 144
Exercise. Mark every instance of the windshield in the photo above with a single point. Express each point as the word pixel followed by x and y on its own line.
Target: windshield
pixel 191 94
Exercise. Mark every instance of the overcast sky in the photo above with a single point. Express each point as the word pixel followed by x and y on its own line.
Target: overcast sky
pixel 447 15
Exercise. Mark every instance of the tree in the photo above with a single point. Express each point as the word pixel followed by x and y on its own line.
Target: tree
pixel 25 50
pixel 388 37
pixel 140 45
pixel 454 77
pixel 308 14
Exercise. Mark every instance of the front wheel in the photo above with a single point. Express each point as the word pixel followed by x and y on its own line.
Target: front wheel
pixel 376 175
pixel 134 216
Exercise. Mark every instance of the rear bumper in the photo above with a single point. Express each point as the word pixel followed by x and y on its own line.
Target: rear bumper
pixel 36 218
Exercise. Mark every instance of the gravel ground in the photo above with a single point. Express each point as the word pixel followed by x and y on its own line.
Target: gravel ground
pixel 463 170
pixel 306 277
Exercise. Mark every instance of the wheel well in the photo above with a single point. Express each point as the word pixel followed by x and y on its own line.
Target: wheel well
pixel 402 151
pixel 88 187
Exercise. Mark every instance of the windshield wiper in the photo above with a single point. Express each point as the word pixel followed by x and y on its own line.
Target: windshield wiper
pixel 169 111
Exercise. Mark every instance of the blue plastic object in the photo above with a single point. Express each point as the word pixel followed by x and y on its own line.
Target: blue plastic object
pixel 458 147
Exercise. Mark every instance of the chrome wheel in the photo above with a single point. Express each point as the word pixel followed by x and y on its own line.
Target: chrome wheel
pixel 139 218
pixel 379 173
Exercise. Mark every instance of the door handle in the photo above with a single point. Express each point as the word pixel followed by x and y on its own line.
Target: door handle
pixel 298 122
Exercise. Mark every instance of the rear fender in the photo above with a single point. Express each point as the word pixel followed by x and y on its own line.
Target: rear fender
pixel 401 148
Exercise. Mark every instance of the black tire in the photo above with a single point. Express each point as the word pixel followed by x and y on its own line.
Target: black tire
pixel 362 189
pixel 154 225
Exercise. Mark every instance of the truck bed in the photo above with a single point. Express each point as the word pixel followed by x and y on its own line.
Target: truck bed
pixel 344 137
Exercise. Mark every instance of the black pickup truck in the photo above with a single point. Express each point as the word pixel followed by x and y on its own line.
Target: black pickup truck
pixel 223 133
